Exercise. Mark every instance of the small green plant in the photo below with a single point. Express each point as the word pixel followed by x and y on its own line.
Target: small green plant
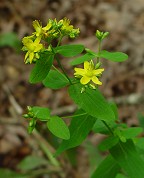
pixel 94 112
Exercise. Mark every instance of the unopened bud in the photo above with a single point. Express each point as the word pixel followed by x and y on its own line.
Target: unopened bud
pixel 26 116
pixel 29 108
pixel 101 35
pixel 98 65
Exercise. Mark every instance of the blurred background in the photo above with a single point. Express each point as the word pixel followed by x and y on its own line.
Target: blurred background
pixel 122 82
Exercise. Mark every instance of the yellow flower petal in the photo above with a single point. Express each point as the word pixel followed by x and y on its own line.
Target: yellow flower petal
pixel 96 80
pixel 26 56
pixel 79 71
pixel 84 80
pixel 48 26
pixel 26 41
pixel 98 71
pixel 86 65
pixel 37 40
pixel 31 56
pixel 38 47
pixel 37 27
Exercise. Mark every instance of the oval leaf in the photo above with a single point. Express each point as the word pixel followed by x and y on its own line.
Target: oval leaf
pixel 55 80
pixel 58 127
pixel 113 56
pixel 82 59
pixel 41 113
pixel 92 102
pixel 69 50
pixel 79 129
pixel 131 132
pixel 41 68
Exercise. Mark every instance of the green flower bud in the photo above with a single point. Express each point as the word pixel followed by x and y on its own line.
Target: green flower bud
pixel 98 65
pixel 26 116
pixel 29 108
pixel 101 35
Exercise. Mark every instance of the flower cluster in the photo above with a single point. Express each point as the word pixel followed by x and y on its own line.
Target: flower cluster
pixel 54 29
pixel 89 75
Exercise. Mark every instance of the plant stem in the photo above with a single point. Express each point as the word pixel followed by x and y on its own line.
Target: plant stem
pixel 46 148
pixel 60 65
pixel 99 49
pixel 60 39
pixel 107 126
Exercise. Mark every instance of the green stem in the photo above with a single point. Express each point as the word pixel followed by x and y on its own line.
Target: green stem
pixel 74 115
pixel 46 148
pixel 59 63
pixel 111 131
pixel 99 49
pixel 60 39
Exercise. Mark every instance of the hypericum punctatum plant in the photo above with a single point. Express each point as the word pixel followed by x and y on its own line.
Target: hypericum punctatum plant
pixel 94 112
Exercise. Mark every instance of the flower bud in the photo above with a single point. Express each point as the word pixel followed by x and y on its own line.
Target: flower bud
pixel 101 35
pixel 26 116
pixel 98 65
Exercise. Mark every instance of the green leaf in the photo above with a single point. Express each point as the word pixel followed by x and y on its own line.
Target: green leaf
pixel 131 132
pixel 41 113
pixel 92 102
pixel 58 127
pixel 120 176
pixel 72 156
pixel 128 158
pixel 80 127
pixel 81 59
pixel 32 162
pixel 108 143
pixel 113 56
pixel 141 119
pixel 99 127
pixel 140 143
pixel 107 169
pixel 55 80
pixel 6 173
pixel 114 108
pixel 69 50
pixel 10 39
pixel 41 68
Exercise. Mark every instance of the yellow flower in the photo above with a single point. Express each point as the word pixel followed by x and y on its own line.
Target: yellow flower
pixel 66 25
pixel 32 48
pixel 39 30
pixel 67 29
pixel 88 74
